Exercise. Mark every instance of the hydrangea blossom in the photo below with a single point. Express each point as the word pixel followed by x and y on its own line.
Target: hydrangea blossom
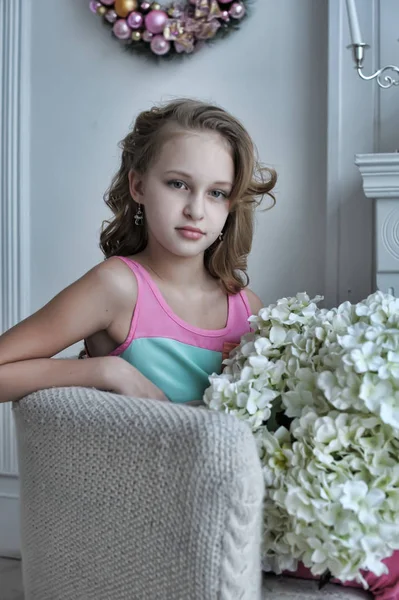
pixel 320 390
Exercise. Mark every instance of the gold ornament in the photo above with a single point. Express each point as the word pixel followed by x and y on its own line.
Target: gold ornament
pixel 136 36
pixel 101 10
pixel 124 7
pixel 214 11
pixel 173 29
pixel 187 41
pixel 155 6
pixel 201 9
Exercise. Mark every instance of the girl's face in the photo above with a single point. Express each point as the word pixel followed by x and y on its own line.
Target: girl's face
pixel 186 192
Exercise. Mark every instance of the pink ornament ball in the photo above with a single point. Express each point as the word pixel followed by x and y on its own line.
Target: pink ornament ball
pixel 121 29
pixel 159 45
pixel 135 20
pixel 111 16
pixel 224 1
pixel 108 2
pixel 156 20
pixel 94 5
pixel 147 36
pixel 237 10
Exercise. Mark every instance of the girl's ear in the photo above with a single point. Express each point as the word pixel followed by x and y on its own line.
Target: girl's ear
pixel 136 187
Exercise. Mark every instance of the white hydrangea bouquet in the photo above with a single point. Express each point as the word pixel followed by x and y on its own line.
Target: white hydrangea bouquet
pixel 320 390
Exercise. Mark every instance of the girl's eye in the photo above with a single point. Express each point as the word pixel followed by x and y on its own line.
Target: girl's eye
pixel 177 185
pixel 218 194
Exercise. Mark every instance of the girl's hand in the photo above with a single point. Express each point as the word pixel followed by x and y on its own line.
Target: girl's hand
pixel 122 378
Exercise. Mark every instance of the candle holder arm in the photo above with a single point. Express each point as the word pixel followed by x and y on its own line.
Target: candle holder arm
pixel 383 80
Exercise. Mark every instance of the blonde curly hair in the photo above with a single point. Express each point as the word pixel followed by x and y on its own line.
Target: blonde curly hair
pixel 226 261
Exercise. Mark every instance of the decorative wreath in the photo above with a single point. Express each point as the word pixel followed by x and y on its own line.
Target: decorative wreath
pixel 175 28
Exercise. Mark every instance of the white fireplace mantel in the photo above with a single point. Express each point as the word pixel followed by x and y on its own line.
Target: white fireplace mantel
pixel 380 174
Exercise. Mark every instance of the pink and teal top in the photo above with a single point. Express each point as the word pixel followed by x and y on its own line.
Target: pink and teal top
pixel 177 357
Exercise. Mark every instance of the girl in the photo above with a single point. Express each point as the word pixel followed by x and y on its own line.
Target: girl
pixel 171 296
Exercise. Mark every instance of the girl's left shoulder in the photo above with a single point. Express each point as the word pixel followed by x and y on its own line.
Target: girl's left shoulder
pixel 255 302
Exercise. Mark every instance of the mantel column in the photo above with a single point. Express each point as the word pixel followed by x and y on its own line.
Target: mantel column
pixel 380 174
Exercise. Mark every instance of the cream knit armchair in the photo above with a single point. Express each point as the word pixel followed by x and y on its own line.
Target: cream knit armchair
pixel 128 499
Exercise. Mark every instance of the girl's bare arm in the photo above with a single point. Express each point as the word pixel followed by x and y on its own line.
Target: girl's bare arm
pixel 87 306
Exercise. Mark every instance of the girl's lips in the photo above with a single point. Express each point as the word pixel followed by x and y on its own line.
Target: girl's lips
pixel 189 228
pixel 190 233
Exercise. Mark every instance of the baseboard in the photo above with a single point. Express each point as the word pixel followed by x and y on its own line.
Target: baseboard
pixel 10 545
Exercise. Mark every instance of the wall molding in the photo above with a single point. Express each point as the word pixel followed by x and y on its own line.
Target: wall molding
pixel 353 127
pixel 14 190
pixel 9 517
pixel 334 137
pixel 9 496
pixel 380 174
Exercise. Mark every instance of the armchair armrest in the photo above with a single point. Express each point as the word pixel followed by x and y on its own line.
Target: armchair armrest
pixel 123 498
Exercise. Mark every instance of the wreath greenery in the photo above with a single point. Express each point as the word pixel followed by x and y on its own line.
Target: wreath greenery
pixel 170 29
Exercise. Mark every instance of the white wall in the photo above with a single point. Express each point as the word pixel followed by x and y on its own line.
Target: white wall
pixel 86 91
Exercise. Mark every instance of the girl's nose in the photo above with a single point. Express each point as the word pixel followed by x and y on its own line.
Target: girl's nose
pixel 195 207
